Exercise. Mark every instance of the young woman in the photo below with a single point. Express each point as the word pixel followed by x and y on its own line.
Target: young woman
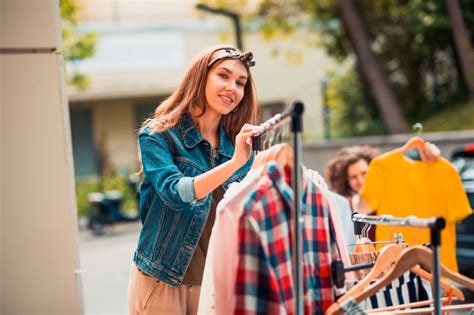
pixel 346 172
pixel 196 144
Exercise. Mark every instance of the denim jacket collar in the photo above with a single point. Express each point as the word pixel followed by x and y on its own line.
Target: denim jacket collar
pixel 192 136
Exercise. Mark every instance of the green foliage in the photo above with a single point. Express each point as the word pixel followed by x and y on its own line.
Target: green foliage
pixel 459 117
pixel 351 112
pixel 106 183
pixel 79 80
pixel 69 9
pixel 412 40
pixel 76 46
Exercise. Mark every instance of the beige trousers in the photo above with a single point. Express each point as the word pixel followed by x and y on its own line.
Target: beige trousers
pixel 147 296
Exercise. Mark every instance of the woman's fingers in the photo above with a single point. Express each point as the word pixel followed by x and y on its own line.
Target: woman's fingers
pixel 431 151
pixel 247 133
pixel 248 127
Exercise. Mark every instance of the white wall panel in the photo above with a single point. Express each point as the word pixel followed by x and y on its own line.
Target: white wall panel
pixel 39 231
pixel 2 236
pixel 29 24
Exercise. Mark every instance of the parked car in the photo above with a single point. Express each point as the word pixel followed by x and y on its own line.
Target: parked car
pixel 463 161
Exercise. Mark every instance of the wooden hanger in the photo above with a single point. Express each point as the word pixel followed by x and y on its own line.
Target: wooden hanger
pixel 363 245
pixel 281 153
pixel 410 257
pixel 429 310
pixel 408 305
pixel 415 142
pixel 445 286
pixel 387 256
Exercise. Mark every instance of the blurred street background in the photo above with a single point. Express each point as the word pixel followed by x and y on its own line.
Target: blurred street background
pixel 366 70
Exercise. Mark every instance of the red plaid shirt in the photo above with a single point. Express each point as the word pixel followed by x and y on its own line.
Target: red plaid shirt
pixel 264 283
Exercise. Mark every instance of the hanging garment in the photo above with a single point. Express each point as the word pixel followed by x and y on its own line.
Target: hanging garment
pixel 264 282
pixel 345 214
pixel 364 245
pixel 218 284
pixel 363 258
pixel 402 187
pixel 343 226
pixel 341 219
pixel 407 288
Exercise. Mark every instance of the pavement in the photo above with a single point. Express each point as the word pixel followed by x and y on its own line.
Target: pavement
pixel 105 264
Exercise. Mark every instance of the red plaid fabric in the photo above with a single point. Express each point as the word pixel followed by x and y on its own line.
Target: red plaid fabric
pixel 264 283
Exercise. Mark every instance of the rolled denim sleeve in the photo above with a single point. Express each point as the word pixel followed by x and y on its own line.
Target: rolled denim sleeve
pixel 175 189
pixel 186 189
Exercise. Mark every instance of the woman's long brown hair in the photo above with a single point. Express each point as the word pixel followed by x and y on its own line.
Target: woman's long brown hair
pixel 191 94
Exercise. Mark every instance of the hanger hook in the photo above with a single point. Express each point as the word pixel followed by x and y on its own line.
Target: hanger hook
pixel 280 134
pixel 263 139
pixel 368 230
pixel 418 127
pixel 272 137
pixel 364 229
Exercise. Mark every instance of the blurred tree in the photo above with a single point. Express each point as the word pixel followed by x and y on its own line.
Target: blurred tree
pixel 411 39
pixel 76 46
pixel 383 93
pixel 463 44
pixel 351 112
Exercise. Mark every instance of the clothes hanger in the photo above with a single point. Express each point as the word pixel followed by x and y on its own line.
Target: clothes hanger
pixel 430 310
pixel 281 153
pixel 271 137
pixel 364 244
pixel 408 305
pixel 388 259
pixel 416 143
pixel 386 255
pixel 457 293
pixel 409 258
pixel 264 139
pixel 405 259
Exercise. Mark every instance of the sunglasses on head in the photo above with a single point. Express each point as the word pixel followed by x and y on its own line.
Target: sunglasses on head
pixel 231 53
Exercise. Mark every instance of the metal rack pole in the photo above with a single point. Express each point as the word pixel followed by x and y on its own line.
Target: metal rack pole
pixel 297 248
pixel 436 228
pixel 295 113
pixel 436 225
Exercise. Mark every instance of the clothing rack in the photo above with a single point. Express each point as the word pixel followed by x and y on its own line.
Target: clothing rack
pixel 295 115
pixel 435 224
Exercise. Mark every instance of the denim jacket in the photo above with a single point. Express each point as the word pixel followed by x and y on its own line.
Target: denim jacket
pixel 172 218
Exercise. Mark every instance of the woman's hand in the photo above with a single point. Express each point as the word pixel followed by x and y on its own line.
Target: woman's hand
pixel 431 152
pixel 243 144
pixel 207 182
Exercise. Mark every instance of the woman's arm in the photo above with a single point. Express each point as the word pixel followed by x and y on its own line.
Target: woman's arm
pixel 205 183
pixel 174 188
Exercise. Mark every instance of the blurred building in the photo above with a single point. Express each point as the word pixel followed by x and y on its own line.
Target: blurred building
pixel 143 50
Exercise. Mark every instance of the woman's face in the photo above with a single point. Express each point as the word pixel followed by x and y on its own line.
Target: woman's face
pixel 225 86
pixel 356 174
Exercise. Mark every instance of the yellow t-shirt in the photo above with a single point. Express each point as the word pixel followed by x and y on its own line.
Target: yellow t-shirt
pixel 402 187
